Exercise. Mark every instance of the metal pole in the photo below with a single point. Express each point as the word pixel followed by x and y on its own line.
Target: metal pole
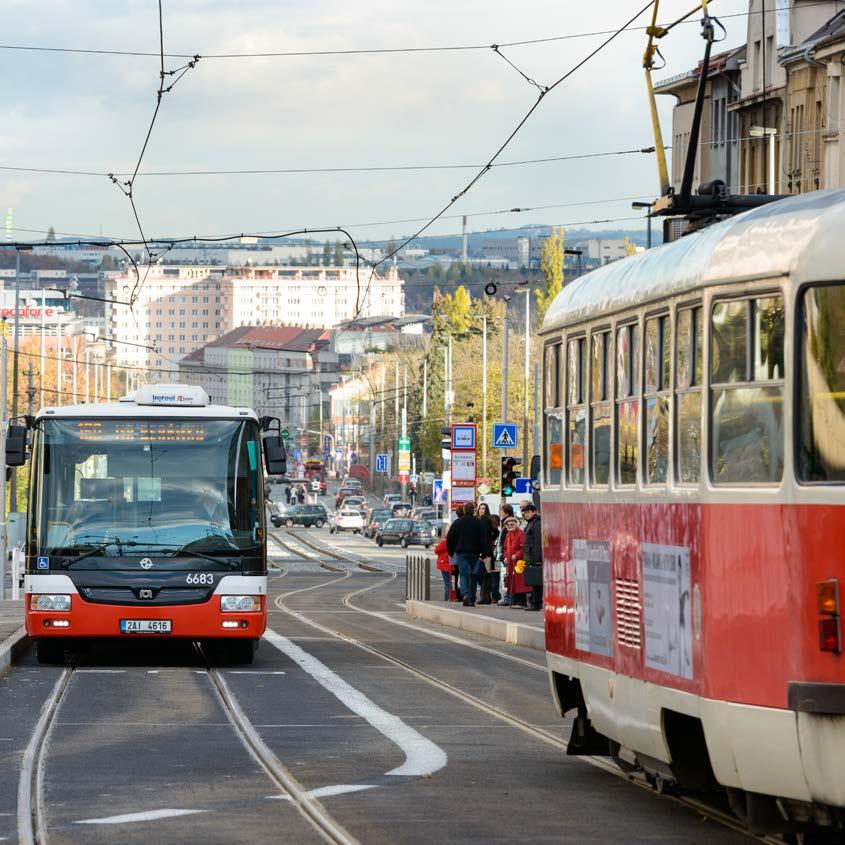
pixel 404 422
pixel 484 396
pixel 108 382
pixel 14 486
pixel 527 380
pixel 75 368
pixel 30 392
pixel 4 364
pixel 87 374
pixel 505 351
pixel 536 450
pixel 42 371
pixel 446 382
pixel 649 229
pixel 451 392
pixel 425 389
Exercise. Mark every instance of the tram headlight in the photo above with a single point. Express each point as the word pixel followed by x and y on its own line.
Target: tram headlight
pixel 50 602
pixel 239 604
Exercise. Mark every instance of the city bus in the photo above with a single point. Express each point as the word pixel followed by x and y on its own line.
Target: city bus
pixel 146 519
pixel 694 513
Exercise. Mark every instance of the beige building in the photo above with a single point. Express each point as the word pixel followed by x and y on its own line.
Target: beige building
pixel 181 308
pixel 773 115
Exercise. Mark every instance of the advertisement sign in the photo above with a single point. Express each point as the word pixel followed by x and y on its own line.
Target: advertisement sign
pixel 593 608
pixel 667 609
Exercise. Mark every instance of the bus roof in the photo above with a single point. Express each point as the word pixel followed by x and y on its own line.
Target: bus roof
pixel 154 401
pixel 800 236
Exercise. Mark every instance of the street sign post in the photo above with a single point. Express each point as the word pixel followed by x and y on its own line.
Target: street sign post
pixel 463 469
pixel 404 459
pixel 523 486
pixel 383 463
pixel 504 435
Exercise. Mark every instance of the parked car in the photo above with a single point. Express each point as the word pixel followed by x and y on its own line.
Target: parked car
pixel 347 519
pixel 390 499
pixel 378 517
pixel 406 532
pixel 306 515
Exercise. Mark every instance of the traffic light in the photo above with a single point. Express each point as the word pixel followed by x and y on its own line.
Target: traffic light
pixel 509 476
pixel 446 437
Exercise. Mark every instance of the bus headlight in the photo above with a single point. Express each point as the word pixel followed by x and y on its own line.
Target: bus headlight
pixel 239 604
pixel 49 602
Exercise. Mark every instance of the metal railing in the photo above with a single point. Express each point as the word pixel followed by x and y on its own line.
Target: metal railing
pixel 417 577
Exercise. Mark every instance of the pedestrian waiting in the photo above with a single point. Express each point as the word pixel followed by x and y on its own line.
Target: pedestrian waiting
pixel 467 540
pixel 444 567
pixel 533 554
pixel 514 558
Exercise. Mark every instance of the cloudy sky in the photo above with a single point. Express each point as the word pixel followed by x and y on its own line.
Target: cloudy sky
pixel 91 112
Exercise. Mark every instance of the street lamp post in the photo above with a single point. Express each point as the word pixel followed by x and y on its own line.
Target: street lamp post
pixel 635 206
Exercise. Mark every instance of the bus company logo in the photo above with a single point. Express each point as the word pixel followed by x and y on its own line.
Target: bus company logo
pixel 146 563
pixel 145 594
pixel 166 397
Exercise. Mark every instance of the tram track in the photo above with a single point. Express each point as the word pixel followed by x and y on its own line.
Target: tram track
pixel 705 810
pixel 31 804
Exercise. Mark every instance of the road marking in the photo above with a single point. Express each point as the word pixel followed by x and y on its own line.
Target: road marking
pixel 147 816
pixel 422 756
pixel 101 671
pixel 253 672
pixel 329 791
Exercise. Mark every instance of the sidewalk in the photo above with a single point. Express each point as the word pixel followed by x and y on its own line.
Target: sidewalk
pixel 12 635
pixel 518 627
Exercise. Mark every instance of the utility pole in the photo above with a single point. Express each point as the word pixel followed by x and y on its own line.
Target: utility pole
pixel 425 389
pixel 505 365
pixel 13 493
pixel 30 391
pixel 87 373
pixel 75 368
pixel 465 252
pixel 527 292
pixel 59 356
pixel 451 392
pixel 404 421
pixel 4 375
pixel 484 396
pixel 108 383
pixel 536 408
pixel 42 368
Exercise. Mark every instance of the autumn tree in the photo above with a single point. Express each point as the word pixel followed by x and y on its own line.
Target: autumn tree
pixel 551 266
pixel 338 254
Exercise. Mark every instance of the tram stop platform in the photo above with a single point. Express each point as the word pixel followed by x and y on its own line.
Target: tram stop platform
pixel 509 625
pixel 13 637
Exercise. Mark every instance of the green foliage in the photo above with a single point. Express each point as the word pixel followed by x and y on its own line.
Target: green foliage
pixel 327 255
pixel 551 265
pixel 338 254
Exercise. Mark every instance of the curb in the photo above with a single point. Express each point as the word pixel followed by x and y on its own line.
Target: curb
pixel 12 648
pixel 489 626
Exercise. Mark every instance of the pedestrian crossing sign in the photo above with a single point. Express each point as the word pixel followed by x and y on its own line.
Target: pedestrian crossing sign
pixel 504 435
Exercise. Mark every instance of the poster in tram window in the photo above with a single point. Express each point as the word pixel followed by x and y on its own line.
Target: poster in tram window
pixel 667 609
pixel 593 619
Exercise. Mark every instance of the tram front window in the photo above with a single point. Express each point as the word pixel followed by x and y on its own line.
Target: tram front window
pixel 142 486
pixel 821 415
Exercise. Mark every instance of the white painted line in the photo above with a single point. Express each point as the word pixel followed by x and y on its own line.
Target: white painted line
pixel 329 791
pixel 253 672
pixel 422 756
pixel 101 671
pixel 148 816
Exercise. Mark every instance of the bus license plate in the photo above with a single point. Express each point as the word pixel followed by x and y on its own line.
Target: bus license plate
pixel 145 626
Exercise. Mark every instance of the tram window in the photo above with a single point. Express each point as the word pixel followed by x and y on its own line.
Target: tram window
pixel 600 409
pixel 576 412
pixel 553 426
pixel 747 391
pixel 658 343
pixel 821 404
pixel 688 400
pixel 627 403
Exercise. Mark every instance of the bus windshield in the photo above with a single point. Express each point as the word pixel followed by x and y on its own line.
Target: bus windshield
pixel 137 486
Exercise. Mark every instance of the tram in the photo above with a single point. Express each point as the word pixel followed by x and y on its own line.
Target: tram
pixel 694 513
pixel 146 519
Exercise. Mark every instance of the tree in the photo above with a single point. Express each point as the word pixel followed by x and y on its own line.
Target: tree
pixel 338 254
pixel 327 255
pixel 51 234
pixel 551 265
pixel 630 247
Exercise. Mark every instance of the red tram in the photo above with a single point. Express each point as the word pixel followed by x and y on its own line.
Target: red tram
pixel 694 512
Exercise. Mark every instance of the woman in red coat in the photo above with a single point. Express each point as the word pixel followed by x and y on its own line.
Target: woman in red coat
pixel 513 551
pixel 444 566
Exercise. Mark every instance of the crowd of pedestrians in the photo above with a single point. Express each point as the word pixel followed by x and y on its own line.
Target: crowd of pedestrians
pixel 487 559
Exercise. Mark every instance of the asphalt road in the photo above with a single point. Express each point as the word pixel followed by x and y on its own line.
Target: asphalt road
pixel 392 733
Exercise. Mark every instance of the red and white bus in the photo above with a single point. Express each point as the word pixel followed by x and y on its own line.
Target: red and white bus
pixel 146 519
pixel 694 511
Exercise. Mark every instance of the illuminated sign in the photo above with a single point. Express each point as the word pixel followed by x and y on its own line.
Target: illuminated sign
pixel 27 312
pixel 144 432
pixel 171 394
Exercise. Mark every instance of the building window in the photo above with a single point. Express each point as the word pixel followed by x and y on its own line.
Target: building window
pixel 627 403
pixel 553 422
pixel 600 390
pixel 658 384
pixel 746 393
pixel 689 374
pixel 576 411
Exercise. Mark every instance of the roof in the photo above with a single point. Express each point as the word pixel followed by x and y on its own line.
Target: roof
pixel 800 236
pixel 282 338
pixel 718 64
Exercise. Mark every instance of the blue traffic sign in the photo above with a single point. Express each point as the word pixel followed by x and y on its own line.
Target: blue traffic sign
pixel 438 492
pixel 463 436
pixel 413 478
pixel 504 435
pixel 382 463
pixel 523 485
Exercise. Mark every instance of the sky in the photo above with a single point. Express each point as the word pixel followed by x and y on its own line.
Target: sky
pixel 91 113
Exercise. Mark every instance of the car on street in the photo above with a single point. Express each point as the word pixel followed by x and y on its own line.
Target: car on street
pixel 390 499
pixel 306 515
pixel 347 519
pixel 358 502
pixel 401 509
pixel 406 532
pixel 377 518
pixel 344 493
pixel 353 483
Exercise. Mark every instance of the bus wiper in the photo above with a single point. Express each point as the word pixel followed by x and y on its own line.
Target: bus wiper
pixel 183 552
pixel 99 547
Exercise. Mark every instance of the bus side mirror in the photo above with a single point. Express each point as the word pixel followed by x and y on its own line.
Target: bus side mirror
pixel 275 456
pixel 16 446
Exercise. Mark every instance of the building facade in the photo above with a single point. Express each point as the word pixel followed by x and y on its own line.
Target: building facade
pixel 179 309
